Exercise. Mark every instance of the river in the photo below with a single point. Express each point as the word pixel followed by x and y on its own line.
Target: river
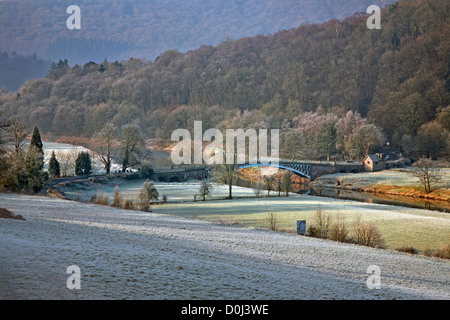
pixel 336 193
pixel 162 159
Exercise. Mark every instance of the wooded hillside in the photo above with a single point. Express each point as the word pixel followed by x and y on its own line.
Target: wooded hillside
pixel 397 78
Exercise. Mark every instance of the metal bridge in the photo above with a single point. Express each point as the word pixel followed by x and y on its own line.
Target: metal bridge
pixel 301 169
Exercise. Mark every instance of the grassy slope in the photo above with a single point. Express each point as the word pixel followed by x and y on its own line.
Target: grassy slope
pixel 399 226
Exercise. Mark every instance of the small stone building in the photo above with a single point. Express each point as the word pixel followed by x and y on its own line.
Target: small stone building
pixel 373 162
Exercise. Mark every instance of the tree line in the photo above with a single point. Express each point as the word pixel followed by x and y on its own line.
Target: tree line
pixel 22 159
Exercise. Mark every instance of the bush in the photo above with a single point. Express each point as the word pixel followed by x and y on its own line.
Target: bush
pixel 100 198
pixel 129 204
pixel 117 198
pixel 427 251
pixel 338 230
pixel 146 171
pixel 146 195
pixel 322 224
pixel 367 234
pixel 410 250
pixel 272 219
pixel 443 253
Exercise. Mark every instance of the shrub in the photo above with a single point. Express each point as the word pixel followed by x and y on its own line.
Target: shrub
pixel 338 230
pixel 322 224
pixel 5 213
pixel 410 250
pixel 146 195
pixel 272 219
pixel 146 171
pixel 117 197
pixel 443 253
pixel 129 204
pixel 367 234
pixel 100 198
pixel 427 251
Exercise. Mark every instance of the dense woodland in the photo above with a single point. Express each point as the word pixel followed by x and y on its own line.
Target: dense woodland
pixel 119 29
pixel 335 87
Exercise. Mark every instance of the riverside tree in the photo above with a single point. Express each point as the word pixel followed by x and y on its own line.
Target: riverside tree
pixel 427 173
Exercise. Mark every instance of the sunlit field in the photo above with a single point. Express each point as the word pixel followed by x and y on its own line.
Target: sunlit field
pixel 398 226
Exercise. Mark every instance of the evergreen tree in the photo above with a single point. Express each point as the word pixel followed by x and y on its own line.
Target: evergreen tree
pixel 33 177
pixel 53 166
pixel 83 165
pixel 37 145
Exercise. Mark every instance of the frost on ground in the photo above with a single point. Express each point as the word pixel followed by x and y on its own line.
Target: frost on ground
pixel 135 255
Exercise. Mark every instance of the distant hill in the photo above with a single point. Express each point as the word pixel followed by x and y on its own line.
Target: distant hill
pixel 122 29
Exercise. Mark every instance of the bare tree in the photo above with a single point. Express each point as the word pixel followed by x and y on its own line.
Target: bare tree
pixel 269 181
pixel 224 173
pixel 133 146
pixel 427 173
pixel 18 133
pixel 104 141
pixel 67 161
pixel 286 182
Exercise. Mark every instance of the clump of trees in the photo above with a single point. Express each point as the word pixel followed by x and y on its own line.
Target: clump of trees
pixel 22 168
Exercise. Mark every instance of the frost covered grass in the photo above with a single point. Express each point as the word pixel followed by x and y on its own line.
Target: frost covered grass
pixel 174 192
pixel 127 254
pixel 399 226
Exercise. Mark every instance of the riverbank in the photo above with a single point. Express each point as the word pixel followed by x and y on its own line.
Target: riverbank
pixel 393 182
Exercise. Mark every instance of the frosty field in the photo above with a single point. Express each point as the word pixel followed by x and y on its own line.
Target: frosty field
pixel 135 255
pixel 399 226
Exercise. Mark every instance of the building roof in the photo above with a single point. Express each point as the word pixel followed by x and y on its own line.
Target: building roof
pixel 373 157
